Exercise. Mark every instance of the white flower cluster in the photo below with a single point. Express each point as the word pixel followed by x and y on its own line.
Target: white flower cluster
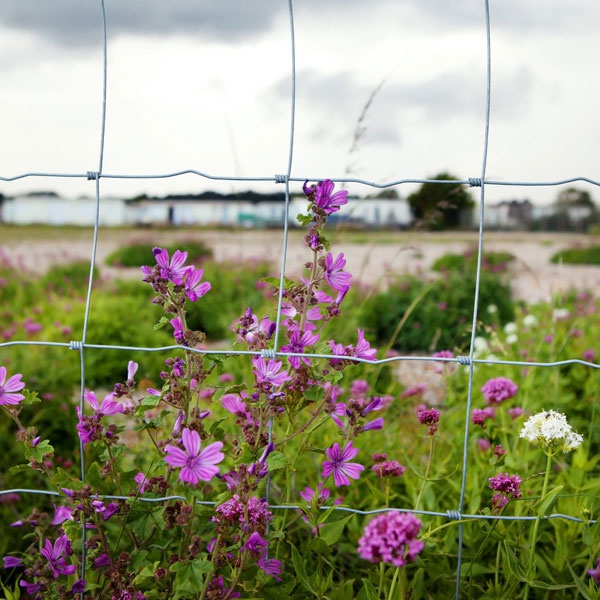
pixel 551 430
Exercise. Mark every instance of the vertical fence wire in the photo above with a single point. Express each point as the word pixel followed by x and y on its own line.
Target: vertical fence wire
pixel 469 361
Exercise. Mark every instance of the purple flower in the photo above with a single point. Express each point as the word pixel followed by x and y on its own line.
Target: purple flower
pixel 373 425
pixel 10 562
pixel 196 464
pixel 255 544
pixel 270 566
pixel 269 372
pixel 388 468
pixel 333 273
pixel 339 464
pixel 142 482
pixel 178 332
pixel 322 493
pixel 589 354
pixel 595 573
pixel 507 487
pixel 325 200
pixel 515 412
pixel 479 415
pixel 132 368
pixel 297 343
pixel 103 560
pixel 107 407
pixel 173 269
pixel 363 348
pixel 54 555
pixel 391 538
pixel 8 388
pixel 62 514
pixel 429 417
pixel 194 288
pixel 499 389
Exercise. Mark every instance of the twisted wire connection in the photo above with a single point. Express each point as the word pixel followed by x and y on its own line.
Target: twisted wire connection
pixel 475 181
pixel 76 345
pixel 268 353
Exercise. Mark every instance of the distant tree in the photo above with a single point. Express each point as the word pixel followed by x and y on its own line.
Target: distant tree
pixel 440 205
pixel 386 194
pixel 572 196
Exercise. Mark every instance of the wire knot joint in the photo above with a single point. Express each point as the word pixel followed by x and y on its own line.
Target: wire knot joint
pixel 475 181
pixel 268 353
pixel 280 178
pixel 454 515
pixel 75 345
pixel 93 175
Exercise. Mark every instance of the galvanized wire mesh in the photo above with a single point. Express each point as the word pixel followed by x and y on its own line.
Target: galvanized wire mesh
pixel 468 361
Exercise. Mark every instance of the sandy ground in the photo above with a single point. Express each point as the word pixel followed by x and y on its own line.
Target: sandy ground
pixel 533 277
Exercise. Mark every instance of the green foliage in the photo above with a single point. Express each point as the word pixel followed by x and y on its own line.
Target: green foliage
pixel 589 255
pixel 495 262
pixel 69 277
pixel 136 255
pixel 438 314
pixel 440 205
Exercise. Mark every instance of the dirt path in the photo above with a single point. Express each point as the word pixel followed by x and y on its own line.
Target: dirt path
pixel 369 257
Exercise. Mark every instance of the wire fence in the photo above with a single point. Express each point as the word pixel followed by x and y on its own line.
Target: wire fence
pixel 469 361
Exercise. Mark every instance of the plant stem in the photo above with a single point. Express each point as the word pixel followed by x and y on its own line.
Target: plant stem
pixel 431 444
pixel 537 524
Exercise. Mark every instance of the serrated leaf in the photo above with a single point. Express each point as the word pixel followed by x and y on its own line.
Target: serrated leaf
pixel 189 576
pixel 30 398
pixel 150 401
pixel 276 460
pixel 38 452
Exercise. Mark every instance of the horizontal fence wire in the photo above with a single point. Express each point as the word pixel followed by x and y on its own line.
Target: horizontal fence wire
pixel 469 362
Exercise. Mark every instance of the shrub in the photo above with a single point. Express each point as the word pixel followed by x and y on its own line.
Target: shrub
pixel 578 256
pixel 68 277
pixel 495 262
pixel 135 255
pixel 441 311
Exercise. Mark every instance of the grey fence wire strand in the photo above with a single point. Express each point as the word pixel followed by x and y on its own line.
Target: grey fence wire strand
pixel 469 361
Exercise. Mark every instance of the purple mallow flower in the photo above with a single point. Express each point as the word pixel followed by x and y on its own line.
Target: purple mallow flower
pixel 173 269
pixel 595 573
pixel 9 387
pixel 323 197
pixel 194 286
pixel 391 538
pixel 53 553
pixel 339 464
pixel 269 372
pixel 195 464
pixel 499 389
pixel 338 279
pixel 297 343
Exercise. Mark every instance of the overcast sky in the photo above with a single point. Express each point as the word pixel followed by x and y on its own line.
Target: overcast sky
pixel 205 85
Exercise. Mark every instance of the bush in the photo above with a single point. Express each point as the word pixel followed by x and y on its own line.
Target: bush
pixel 495 262
pixel 578 256
pixel 69 277
pixel 441 311
pixel 138 254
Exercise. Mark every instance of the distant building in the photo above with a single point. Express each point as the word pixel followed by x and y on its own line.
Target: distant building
pixel 507 215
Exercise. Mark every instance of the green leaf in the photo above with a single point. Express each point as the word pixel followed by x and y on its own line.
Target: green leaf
pixel 368 591
pixel 150 401
pixel 545 504
pixel 514 566
pixel 304 220
pixel 298 562
pixel 38 452
pixel 30 397
pixel 276 460
pixel 189 576
pixel 331 532
pixel 163 321
pixel 318 546
pixel 274 281
pixel 580 586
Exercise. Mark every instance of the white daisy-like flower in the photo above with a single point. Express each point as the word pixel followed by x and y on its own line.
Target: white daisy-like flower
pixel 511 339
pixel 551 430
pixel 511 328
pixel 530 321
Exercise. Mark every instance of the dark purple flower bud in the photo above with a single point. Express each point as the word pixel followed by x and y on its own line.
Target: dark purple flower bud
pixel 10 562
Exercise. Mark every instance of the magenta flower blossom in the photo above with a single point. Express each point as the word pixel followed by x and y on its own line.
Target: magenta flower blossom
pixel 324 199
pixel 54 555
pixel 388 468
pixel 174 269
pixel 298 343
pixel 515 412
pixel 142 482
pixel 334 275
pixel 339 464
pixel 429 417
pixel 8 388
pixel 62 514
pixel 195 464
pixel 194 286
pixel 480 415
pixel 499 389
pixel 391 538
pixel 10 562
pixel 507 486
pixel 595 573
pixel 322 494
pixel 363 348
pixel 269 372
pixel 108 406
pixel 178 332
pixel 270 566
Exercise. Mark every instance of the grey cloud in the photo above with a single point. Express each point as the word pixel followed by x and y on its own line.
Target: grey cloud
pixel 68 22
